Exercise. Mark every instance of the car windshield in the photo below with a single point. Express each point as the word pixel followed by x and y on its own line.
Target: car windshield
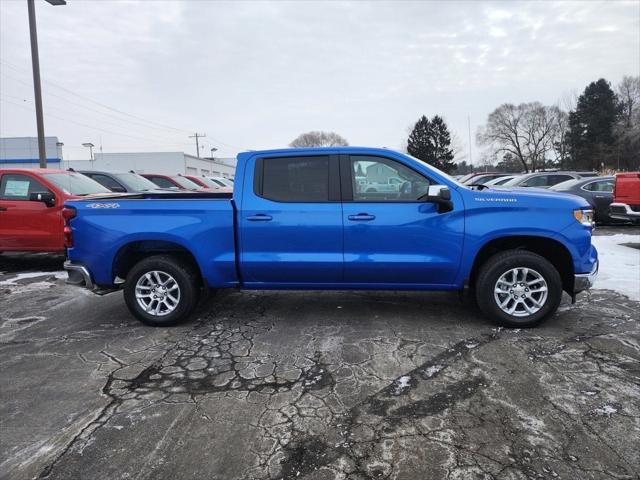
pixel 73 183
pixel 136 182
pixel 513 181
pixel 210 183
pixel 186 183
pixel 566 185
pixel 222 182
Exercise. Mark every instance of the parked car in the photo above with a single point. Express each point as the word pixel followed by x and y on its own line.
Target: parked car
pixel 626 197
pixel 126 182
pixel 31 213
pixel 500 180
pixel 483 178
pixel 545 179
pixel 597 191
pixel 295 221
pixel 206 182
pixel 173 182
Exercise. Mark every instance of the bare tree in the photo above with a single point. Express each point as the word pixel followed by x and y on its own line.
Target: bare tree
pixel 319 139
pixel 526 131
pixel 628 91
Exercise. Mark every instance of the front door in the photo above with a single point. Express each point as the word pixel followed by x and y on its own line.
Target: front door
pixel 290 221
pixel 390 236
pixel 27 224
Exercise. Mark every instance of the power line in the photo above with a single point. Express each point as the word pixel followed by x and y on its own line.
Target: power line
pixel 82 124
pixel 17 69
pixel 87 108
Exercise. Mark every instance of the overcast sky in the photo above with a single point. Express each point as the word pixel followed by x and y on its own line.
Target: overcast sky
pixel 254 75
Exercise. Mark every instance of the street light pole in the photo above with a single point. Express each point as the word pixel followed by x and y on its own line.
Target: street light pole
pixel 37 90
pixel 35 62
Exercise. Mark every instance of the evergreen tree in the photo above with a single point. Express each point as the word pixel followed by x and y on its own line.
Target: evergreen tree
pixel 430 141
pixel 591 125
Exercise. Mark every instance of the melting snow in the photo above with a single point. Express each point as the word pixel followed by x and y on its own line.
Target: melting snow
pixel 619 264
pixel 21 276
pixel 606 409
pixel 401 384
pixel 432 370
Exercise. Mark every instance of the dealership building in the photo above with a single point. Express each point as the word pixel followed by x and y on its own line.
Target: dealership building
pixel 168 163
pixel 22 152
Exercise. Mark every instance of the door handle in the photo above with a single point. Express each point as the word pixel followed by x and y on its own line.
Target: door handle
pixel 3 209
pixel 361 217
pixel 260 217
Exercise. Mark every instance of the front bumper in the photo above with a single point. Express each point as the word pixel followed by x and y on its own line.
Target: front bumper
pixel 622 211
pixel 584 281
pixel 78 275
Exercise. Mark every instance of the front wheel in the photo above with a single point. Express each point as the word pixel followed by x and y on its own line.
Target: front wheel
pixel 518 288
pixel 161 290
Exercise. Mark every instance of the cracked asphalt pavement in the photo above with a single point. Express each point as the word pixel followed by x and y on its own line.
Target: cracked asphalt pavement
pixel 314 385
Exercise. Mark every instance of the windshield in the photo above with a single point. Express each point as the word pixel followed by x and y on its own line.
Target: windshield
pixel 513 181
pixel 75 183
pixel 221 182
pixel 209 183
pixel 567 185
pixel 186 183
pixel 135 182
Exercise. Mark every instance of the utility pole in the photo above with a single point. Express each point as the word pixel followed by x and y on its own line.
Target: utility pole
pixel 35 64
pixel 197 136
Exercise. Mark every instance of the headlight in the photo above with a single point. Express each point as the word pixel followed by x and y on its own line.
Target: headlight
pixel 585 217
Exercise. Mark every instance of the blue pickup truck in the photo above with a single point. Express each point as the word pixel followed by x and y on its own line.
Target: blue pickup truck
pixel 318 219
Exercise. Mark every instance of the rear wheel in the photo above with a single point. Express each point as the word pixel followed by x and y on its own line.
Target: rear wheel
pixel 518 288
pixel 161 290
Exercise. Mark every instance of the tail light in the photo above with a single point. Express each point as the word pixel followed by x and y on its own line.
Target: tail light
pixel 67 214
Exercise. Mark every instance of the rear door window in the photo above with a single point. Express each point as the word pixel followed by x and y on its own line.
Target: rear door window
pixel 295 179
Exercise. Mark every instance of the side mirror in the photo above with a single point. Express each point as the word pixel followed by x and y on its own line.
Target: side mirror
pixel 440 195
pixel 48 198
pixel 118 189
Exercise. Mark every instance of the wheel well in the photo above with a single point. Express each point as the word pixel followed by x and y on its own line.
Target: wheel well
pixel 133 252
pixel 554 251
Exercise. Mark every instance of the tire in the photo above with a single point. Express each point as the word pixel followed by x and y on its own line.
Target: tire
pixel 529 303
pixel 179 290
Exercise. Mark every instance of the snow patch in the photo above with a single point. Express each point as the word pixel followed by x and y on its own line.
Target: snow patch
pixel 606 409
pixel 619 264
pixel 22 276
pixel 401 384
pixel 432 370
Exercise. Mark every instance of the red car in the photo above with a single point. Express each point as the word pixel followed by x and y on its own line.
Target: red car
pixel 626 197
pixel 175 182
pixel 31 214
pixel 208 183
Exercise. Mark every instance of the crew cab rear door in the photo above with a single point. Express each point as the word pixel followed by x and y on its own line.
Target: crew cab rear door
pixel 290 221
pixel 28 225
pixel 391 237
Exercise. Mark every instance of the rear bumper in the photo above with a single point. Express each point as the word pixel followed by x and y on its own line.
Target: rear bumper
pixel 622 211
pixel 584 281
pixel 78 275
